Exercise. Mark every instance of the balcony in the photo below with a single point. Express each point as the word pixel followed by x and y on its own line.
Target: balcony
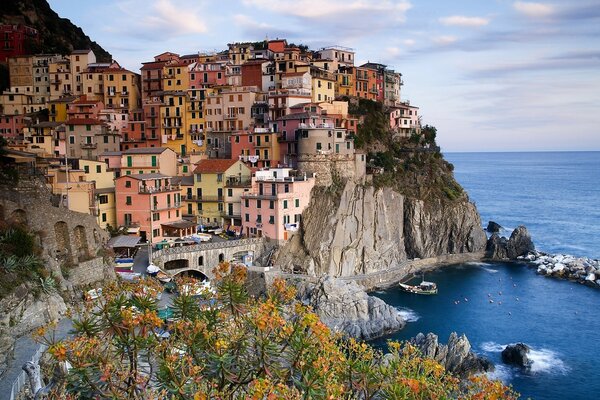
pixel 170 206
pixel 230 116
pixel 160 189
pixel 235 182
pixel 89 145
pixel 110 94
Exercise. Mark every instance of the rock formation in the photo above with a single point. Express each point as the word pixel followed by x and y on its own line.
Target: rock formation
pixel 493 227
pixel 519 244
pixel 346 307
pixel 456 356
pixel 516 354
pixel 363 229
pixel 580 269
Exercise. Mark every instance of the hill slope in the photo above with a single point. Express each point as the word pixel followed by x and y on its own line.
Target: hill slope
pixel 58 35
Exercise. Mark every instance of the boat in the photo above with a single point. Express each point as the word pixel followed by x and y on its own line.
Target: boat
pixel 424 287
pixel 163 276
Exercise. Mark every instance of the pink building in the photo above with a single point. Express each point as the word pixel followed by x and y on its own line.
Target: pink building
pixel 273 207
pixel 84 108
pixel 11 126
pixel 149 206
pixel 404 120
pixel 208 74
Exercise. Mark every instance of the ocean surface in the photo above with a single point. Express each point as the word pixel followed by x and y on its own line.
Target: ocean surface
pixel 557 196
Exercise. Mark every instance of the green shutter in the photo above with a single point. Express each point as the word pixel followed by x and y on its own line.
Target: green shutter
pixel 129 161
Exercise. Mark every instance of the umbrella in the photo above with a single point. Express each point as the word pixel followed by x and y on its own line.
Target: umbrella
pixel 152 269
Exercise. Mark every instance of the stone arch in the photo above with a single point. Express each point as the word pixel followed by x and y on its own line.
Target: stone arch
pixel 81 244
pixel 19 216
pixel 177 264
pixel 193 274
pixel 221 257
pixel 63 241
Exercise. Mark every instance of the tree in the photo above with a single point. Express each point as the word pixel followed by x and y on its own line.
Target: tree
pixel 229 345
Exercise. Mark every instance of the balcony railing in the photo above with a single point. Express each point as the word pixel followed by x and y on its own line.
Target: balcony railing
pixel 207 198
pixel 152 189
pixel 170 206
pixel 89 145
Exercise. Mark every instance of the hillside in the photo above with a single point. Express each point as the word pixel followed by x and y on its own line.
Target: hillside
pixel 58 35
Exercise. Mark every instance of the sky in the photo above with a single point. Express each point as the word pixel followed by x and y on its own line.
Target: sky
pixel 490 75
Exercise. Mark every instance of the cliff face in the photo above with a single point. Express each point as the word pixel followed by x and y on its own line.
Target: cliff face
pixel 363 229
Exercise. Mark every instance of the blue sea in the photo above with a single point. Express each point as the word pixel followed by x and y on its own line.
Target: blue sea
pixel 557 196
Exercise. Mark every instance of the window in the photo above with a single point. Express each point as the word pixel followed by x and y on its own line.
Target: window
pixel 155 232
pixel 271 204
pixel 286 188
pixel 259 218
pixel 246 203
pixel 154 161
pixel 285 204
pixel 319 147
pixel 297 202
pixel 127 184
pixel 185 169
pixel 86 169
pixel 128 200
pixel 129 161
pixel 198 177
pixel 230 192
pixel 247 218
pixel 71 139
pixel 103 217
pixel 155 216
pixel 98 169
pixel 103 199
pixel 105 138
pixel 258 204
pixel 88 127
pixel 219 177
pixel 271 219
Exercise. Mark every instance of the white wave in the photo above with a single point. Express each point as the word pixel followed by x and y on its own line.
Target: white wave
pixel 501 373
pixel 544 360
pixel 483 265
pixel 492 347
pixel 380 291
pixel 408 315
pixel 490 270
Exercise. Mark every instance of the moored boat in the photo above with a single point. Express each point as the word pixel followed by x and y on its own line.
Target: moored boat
pixel 424 287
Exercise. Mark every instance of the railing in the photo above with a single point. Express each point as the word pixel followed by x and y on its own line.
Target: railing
pixel 19 383
pixel 89 145
pixel 152 189
pixel 207 246
pixel 170 206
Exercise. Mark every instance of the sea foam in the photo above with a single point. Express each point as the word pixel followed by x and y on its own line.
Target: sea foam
pixel 408 315
pixel 543 360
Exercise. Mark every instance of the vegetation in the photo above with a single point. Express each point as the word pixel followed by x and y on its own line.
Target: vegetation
pixel 232 346
pixel 20 262
pixel 57 35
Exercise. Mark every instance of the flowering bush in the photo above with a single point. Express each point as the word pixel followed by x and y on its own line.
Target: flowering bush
pixel 232 346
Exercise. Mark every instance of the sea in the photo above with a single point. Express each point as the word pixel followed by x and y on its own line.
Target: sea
pixel 557 196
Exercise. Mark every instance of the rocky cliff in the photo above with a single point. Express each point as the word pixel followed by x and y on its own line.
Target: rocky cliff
pixel 345 307
pixel 361 229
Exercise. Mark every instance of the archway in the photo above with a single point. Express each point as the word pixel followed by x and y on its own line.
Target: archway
pixel 176 264
pixel 63 241
pixel 19 216
pixel 221 257
pixel 81 244
pixel 192 273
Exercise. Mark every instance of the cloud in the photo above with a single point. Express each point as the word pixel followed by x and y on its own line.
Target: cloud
pixel 409 42
pixel 445 40
pixel 318 9
pixel 161 17
pixel 534 10
pixel 255 29
pixel 461 20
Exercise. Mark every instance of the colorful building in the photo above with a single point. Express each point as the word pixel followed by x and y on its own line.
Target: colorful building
pixel 148 160
pixel 89 137
pixel 17 40
pixel 273 207
pixel 211 179
pixel 149 205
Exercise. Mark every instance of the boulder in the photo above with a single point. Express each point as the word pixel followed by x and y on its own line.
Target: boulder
pixel 496 247
pixel 516 354
pixel 493 227
pixel 345 307
pixel 456 356
pixel 520 243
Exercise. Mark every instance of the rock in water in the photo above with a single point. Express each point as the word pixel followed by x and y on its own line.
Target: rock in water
pixel 493 227
pixel 345 307
pixel 516 354
pixel 456 356
pixel 520 243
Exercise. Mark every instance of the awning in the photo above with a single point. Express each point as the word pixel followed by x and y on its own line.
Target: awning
pixel 124 241
pixel 181 224
pixel 133 229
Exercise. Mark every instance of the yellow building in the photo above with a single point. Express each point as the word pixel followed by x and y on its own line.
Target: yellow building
pixel 175 76
pixel 149 160
pixel 195 121
pixel 40 138
pixel 211 178
pixel 121 88
pixel 323 85
pixel 57 108
pixel 104 191
pixel 79 60
pixel 59 73
pixel 76 193
pixel 345 85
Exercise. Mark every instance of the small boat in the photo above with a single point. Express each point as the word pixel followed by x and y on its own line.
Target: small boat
pixel 423 288
pixel 163 276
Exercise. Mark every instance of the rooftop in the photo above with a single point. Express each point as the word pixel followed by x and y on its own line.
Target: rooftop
pixel 212 166
pixel 146 150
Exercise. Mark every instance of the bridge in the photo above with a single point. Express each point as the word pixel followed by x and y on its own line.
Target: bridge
pixel 200 259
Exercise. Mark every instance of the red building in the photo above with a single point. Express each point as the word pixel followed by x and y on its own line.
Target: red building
pixel 17 40
pixel 135 133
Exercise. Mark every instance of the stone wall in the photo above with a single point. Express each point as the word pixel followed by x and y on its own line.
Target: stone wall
pixel 325 165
